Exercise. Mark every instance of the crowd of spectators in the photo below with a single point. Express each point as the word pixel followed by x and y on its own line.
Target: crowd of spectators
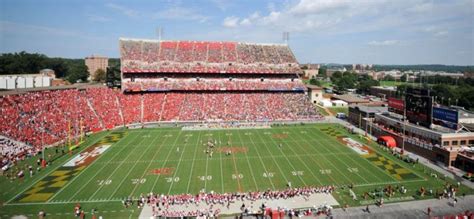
pixel 46 117
pixel 161 203
pixel 210 57
pixel 195 84
pixel 106 105
pixel 53 116
pixel 13 151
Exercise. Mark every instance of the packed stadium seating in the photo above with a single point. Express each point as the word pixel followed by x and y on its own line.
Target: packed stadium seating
pixel 208 57
pixel 183 84
pixel 47 117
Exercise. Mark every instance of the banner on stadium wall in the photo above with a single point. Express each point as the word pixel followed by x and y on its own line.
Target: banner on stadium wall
pixel 396 104
pixel 447 115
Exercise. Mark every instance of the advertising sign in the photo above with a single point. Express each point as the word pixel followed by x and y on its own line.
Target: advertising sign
pixel 396 104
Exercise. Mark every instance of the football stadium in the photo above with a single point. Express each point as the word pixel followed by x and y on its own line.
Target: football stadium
pixel 198 129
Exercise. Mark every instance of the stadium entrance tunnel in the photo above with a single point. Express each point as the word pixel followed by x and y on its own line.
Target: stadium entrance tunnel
pixel 387 141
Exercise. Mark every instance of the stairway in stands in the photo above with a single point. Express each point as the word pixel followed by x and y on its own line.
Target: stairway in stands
pixel 95 113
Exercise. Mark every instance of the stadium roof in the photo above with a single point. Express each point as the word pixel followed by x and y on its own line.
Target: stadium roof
pixel 154 56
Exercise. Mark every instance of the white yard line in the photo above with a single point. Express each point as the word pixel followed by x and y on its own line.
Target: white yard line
pixel 131 169
pixel 299 158
pixel 166 160
pixel 207 165
pixel 273 158
pixel 54 169
pixel 177 168
pixel 331 163
pixel 63 202
pixel 288 160
pixel 263 164
pixel 248 162
pixel 149 164
pixel 194 159
pixel 220 161
pixel 389 182
pixel 317 162
pixel 85 184
pixel 357 163
pixel 217 158
pixel 116 168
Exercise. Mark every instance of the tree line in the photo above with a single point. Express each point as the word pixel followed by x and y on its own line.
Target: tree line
pixel 446 68
pixel 446 90
pixel 72 70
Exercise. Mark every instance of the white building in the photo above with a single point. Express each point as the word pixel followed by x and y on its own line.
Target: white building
pixel 21 81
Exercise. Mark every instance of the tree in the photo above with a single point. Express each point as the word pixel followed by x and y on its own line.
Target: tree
pixel 364 85
pixel 313 81
pixel 388 78
pixel 113 74
pixel 59 66
pixel 404 78
pixel 77 72
pixel 345 82
pixel 99 75
pixel 335 76
pixel 21 63
pixel 322 72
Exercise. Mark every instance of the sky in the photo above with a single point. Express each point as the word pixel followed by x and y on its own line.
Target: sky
pixel 321 31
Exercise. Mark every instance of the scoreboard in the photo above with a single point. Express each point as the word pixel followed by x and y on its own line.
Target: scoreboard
pixel 419 106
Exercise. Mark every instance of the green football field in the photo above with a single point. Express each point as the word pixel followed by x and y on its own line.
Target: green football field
pixel 173 161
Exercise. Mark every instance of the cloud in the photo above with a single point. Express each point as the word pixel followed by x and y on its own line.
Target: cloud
pixel 180 13
pixel 384 43
pixel 421 7
pixel 97 18
pixel 223 5
pixel 123 10
pixel 318 6
pixel 307 15
pixel 231 21
pixel 441 33
pixel 436 31
pixel 348 17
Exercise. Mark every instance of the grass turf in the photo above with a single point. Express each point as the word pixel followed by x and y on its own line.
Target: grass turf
pixel 146 160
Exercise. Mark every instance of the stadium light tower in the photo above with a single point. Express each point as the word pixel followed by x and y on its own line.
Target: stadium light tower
pixel 159 32
pixel 286 37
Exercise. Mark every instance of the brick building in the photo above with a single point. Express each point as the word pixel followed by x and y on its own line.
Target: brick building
pixel 95 62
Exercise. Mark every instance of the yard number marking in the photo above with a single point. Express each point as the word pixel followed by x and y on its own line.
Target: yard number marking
pixel 325 171
pixel 268 174
pixel 353 169
pixel 205 178
pixel 172 179
pixel 237 176
pixel 138 181
pixel 297 173
pixel 104 182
